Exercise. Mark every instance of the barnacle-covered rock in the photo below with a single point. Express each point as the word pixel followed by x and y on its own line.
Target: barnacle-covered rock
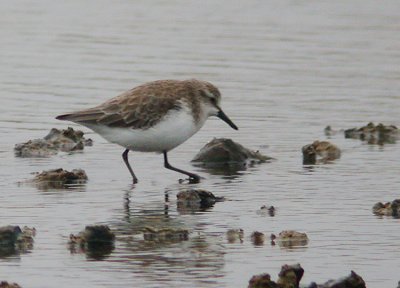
pixel 5 284
pixel 289 277
pixel 262 281
pixel 374 134
pixel 165 234
pixel 257 238
pixel 196 199
pixel 267 210
pixel 59 178
pixel 97 241
pixel 320 152
pixel 222 151
pixel 387 209
pixel 66 140
pixel 329 131
pixel 233 235
pixel 351 281
pixel 14 240
pixel 290 238
pixel 94 234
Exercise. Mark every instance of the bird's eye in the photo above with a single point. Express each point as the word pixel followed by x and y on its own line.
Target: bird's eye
pixel 213 101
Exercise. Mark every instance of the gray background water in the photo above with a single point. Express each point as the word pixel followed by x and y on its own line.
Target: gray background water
pixel 286 69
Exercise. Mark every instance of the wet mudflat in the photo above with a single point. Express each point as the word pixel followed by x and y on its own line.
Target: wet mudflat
pixel 286 70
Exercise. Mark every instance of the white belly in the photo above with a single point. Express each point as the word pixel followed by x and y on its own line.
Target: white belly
pixel 174 129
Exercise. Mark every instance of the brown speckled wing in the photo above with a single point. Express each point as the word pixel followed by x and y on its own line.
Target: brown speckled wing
pixel 139 108
pixel 143 113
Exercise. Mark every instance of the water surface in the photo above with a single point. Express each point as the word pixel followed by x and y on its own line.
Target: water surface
pixel 286 70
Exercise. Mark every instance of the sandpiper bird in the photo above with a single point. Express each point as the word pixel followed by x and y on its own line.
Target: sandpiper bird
pixel 154 117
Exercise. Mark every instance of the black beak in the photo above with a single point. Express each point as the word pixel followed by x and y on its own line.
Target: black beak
pixel 225 118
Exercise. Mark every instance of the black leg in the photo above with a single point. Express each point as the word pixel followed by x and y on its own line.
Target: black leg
pixel 125 157
pixel 193 178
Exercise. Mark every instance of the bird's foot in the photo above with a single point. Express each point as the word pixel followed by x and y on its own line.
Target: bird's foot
pixel 193 179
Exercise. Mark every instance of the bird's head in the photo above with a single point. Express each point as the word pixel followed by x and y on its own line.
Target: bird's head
pixel 211 97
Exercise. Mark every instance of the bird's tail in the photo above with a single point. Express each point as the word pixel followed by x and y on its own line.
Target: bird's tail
pixel 84 116
pixel 64 117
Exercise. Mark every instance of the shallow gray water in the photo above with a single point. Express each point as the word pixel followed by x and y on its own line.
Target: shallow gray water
pixel 286 70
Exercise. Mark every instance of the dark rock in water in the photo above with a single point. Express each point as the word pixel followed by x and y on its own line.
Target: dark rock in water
pixel 221 151
pixel 165 234
pixel 289 277
pixel 61 175
pixel 351 281
pixel 379 134
pixel 5 284
pixel 232 235
pixel 387 209
pixel 370 133
pixel 290 239
pixel 9 235
pixel 262 281
pixel 67 137
pixel 329 131
pixel 265 210
pixel 59 178
pixel 257 238
pixel 35 148
pixel 96 241
pixel 196 199
pixel 320 152
pixel 66 140
pixel 93 235
pixel 14 240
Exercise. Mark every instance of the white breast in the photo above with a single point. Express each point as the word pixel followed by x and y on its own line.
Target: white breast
pixel 174 129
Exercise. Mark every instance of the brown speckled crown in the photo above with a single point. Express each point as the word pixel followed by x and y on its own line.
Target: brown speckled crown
pixel 144 106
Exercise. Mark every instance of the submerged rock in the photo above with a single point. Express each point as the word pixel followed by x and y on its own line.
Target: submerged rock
pixel 387 209
pixel 351 281
pixel 97 241
pixel 329 131
pixel 35 148
pixel 96 234
pixel 5 284
pixel 257 238
pixel 59 178
pixel 379 134
pixel 196 199
pixel 320 152
pixel 290 238
pixel 66 140
pixel 222 151
pixel 165 234
pixel 13 239
pixel 289 277
pixel 9 235
pixel 266 210
pixel 233 235
pixel 262 281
